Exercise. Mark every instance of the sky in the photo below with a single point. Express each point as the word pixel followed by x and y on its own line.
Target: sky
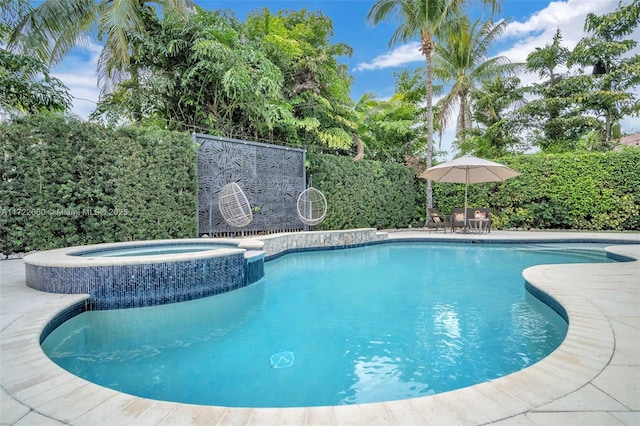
pixel 373 63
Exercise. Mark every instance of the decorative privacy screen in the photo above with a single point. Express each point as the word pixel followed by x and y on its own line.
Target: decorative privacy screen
pixel 272 177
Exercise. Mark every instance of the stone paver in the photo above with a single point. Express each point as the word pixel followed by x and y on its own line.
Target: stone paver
pixel 593 378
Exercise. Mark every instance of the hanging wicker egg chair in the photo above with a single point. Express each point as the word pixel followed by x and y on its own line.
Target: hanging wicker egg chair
pixel 312 206
pixel 234 206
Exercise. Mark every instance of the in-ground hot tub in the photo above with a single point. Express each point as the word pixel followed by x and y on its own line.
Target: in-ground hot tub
pixel 147 273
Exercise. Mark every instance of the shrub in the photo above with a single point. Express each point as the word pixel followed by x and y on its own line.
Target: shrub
pixel 588 191
pixel 67 182
pixel 365 194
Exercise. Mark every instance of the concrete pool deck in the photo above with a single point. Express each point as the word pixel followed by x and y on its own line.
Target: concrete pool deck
pixel 592 378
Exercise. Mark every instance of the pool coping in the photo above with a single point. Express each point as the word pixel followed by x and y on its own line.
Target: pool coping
pixel 69 256
pixel 594 374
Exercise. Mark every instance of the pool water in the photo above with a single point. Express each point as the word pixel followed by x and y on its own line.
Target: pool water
pixel 150 250
pixel 376 323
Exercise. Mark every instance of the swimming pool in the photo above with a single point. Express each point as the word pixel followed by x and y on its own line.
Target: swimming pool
pixel 375 323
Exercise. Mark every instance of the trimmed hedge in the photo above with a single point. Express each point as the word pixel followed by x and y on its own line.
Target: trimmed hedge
pixel 67 182
pixel 587 191
pixel 366 194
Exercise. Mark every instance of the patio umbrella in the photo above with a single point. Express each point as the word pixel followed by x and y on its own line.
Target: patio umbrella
pixel 468 170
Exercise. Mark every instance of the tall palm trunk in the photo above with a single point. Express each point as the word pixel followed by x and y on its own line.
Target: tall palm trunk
pixel 463 112
pixel 427 18
pixel 427 50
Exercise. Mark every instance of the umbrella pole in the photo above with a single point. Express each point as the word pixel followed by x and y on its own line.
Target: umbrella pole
pixel 466 187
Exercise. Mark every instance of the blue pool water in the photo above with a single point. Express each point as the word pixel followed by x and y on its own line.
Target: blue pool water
pixel 376 323
pixel 151 250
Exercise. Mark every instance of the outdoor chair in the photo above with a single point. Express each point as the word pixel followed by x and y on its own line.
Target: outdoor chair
pixel 473 215
pixel 436 221
pixel 457 220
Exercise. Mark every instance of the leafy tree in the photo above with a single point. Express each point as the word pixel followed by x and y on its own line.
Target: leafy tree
pixel 552 120
pixel 274 79
pixel 428 20
pixel 393 130
pixel 611 88
pixel 202 73
pixel 410 85
pixel 576 110
pixel 546 61
pixel 316 85
pixel 387 129
pixel 51 30
pixel 461 62
pixel 493 107
pixel 26 85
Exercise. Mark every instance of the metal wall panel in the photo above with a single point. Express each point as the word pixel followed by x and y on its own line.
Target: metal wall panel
pixel 271 176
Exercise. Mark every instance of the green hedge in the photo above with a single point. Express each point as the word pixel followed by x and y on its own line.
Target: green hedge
pixel 67 182
pixel 592 191
pixel 365 194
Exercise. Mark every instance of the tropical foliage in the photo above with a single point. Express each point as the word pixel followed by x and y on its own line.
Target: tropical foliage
pixel 316 86
pixel 577 110
pixel 278 77
pixel 552 120
pixel 26 85
pixel 199 75
pixel 49 31
pixel 275 79
pixel 494 109
pixel 393 130
pixel 462 62
pixel 610 95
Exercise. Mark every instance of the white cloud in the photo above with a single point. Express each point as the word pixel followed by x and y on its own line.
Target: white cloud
pixel 567 15
pixel 78 73
pixel 540 28
pixel 401 55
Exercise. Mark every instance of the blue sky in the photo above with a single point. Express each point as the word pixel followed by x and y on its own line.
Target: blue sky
pixel 373 62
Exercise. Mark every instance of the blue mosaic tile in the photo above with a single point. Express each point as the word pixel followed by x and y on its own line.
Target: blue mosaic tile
pixel 63 316
pixel 547 299
pixel 132 286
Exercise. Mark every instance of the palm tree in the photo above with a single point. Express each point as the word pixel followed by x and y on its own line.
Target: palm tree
pixel 426 19
pixel 461 62
pixel 51 30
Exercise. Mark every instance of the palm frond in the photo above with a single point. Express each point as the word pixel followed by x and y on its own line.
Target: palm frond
pixel 49 31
